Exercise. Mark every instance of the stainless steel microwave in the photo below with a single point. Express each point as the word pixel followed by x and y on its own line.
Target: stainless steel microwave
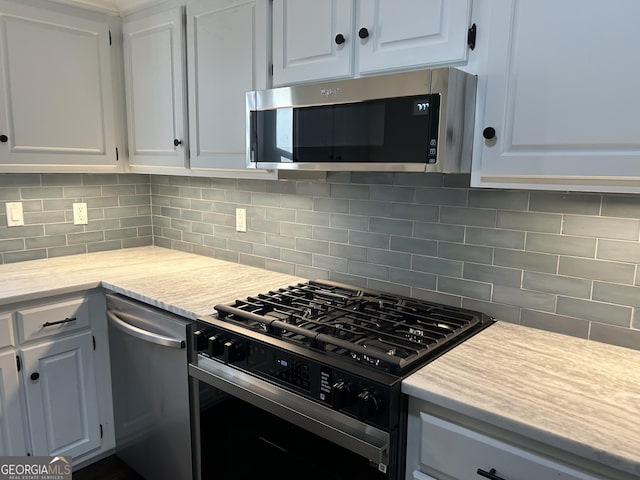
pixel 418 121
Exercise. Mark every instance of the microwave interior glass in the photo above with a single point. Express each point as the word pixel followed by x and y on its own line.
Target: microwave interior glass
pixel 391 130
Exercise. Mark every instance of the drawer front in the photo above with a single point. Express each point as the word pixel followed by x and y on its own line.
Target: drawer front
pixel 6 330
pixel 52 319
pixel 458 452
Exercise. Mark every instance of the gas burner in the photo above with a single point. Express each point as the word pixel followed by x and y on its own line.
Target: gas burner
pixel 380 330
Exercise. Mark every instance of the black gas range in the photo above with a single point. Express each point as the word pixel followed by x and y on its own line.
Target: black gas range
pixel 342 351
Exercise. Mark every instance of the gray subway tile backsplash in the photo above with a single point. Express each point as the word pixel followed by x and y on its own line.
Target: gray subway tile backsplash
pixel 536 262
pixel 615 272
pixel 510 277
pixel 567 203
pixel 619 251
pixel 601 227
pixel 559 261
pixel 599 312
pixel 115 206
pixel 529 221
pixel 561 244
pixel 568 286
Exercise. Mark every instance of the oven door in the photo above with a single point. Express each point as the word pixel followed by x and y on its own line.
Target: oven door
pixel 247 428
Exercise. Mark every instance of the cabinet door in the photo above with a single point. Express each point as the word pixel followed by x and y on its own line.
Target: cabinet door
pixel 12 441
pixel 405 34
pixel 154 68
pixel 6 330
pixel 56 105
pixel 561 96
pixel 305 47
pixel 458 452
pixel 59 379
pixel 227 49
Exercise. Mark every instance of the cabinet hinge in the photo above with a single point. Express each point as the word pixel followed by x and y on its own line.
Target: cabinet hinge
pixel 117 155
pixel 110 37
pixel 471 36
pixel 101 431
pixel 94 342
pixel 18 362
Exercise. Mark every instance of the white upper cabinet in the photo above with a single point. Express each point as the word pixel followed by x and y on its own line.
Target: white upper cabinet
pixel 312 40
pixel 56 99
pixel 330 39
pixel 154 68
pixel 412 33
pixel 562 100
pixel 227 51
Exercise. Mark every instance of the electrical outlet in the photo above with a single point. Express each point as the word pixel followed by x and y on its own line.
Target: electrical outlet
pixel 15 216
pixel 80 216
pixel 241 220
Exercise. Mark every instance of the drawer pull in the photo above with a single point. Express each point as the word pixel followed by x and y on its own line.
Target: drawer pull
pixel 490 474
pixel 66 320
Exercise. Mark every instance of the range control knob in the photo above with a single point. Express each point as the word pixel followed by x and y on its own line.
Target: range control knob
pixel 200 340
pixel 369 405
pixel 341 394
pixel 234 350
pixel 215 345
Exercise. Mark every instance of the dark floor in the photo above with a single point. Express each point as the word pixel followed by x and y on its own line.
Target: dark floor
pixel 110 468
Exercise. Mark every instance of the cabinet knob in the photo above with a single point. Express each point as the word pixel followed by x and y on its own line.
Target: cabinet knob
pixel 35 376
pixel 340 39
pixel 489 133
pixel 363 33
pixel 4 138
pixel 176 142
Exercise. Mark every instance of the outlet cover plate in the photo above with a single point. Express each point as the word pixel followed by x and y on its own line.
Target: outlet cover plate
pixel 241 220
pixel 15 215
pixel 80 216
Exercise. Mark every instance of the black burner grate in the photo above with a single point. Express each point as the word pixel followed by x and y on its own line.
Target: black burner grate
pixel 386 331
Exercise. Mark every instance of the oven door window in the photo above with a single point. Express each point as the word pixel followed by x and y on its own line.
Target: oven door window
pixel 393 130
pixel 240 441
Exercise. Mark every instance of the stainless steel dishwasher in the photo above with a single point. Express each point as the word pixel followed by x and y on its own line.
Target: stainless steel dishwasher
pixel 149 377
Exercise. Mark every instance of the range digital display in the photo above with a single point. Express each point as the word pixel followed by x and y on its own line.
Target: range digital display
pixel 421 107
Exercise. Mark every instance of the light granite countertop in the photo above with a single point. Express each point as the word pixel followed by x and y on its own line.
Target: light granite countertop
pixel 580 396
pixel 182 283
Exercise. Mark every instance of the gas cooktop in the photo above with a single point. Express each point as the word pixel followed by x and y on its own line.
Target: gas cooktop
pixel 380 330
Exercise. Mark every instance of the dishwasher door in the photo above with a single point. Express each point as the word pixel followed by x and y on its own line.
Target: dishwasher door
pixel 149 375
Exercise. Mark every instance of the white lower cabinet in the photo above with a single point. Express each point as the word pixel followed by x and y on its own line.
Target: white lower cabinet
pixel 53 381
pixel 442 449
pixel 12 439
pixel 60 387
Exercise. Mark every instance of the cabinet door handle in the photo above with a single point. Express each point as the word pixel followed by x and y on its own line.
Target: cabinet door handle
pixel 491 474
pixel 363 33
pixel 176 142
pixel 35 376
pixel 340 39
pixel 66 320
pixel 4 138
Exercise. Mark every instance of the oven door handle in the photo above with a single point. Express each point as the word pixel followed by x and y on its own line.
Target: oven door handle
pixel 365 440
